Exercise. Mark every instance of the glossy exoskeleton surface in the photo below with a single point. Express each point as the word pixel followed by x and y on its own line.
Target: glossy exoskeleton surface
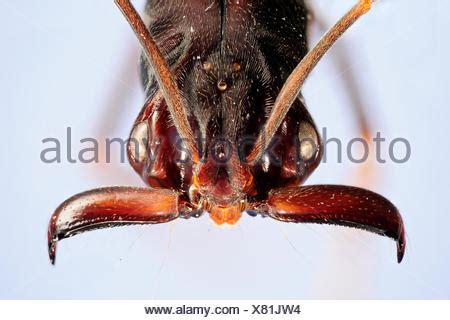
pixel 224 128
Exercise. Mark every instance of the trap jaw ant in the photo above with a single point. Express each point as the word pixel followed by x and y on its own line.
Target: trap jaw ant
pixel 227 69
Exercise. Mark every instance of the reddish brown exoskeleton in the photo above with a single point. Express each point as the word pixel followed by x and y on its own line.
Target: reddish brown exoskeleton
pixel 225 129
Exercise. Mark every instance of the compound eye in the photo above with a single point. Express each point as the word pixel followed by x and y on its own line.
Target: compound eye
pixel 139 141
pixel 309 141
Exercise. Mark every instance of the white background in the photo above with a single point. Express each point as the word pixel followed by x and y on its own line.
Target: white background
pixel 74 63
